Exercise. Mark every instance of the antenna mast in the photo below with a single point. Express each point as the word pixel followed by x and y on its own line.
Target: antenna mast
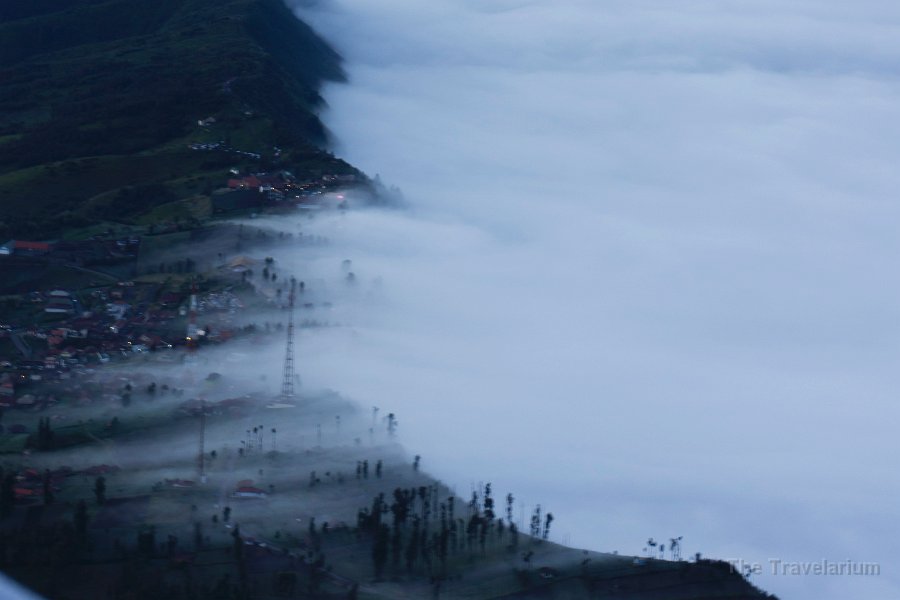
pixel 192 331
pixel 287 382
pixel 202 457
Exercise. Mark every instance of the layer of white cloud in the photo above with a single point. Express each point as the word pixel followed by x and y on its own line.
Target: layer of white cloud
pixel 648 275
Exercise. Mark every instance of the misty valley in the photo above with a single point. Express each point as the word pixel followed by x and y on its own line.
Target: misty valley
pixel 469 300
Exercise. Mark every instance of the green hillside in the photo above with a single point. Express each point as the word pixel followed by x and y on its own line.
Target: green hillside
pixel 100 100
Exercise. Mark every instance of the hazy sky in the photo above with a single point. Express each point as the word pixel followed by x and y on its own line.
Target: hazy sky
pixel 648 276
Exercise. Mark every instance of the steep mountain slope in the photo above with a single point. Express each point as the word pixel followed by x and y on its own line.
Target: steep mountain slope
pixel 101 96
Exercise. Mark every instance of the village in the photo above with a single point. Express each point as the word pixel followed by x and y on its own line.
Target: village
pixel 185 291
pixel 143 454
pixel 130 427
pixel 130 431
pixel 141 443
pixel 124 291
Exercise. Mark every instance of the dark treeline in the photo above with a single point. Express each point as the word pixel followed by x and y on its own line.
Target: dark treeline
pixel 416 531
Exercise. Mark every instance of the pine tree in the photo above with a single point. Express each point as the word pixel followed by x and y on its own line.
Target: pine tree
pixel 81 520
pixel 536 522
pixel 48 491
pixel 7 494
pixel 396 547
pixel 380 550
pixel 237 543
pixel 100 489
pixel 488 503
pixel 392 425
pixel 412 548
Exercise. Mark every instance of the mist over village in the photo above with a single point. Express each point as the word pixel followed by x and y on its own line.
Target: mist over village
pixel 400 300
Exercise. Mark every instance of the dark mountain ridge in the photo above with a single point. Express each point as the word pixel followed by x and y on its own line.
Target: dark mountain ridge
pixel 91 88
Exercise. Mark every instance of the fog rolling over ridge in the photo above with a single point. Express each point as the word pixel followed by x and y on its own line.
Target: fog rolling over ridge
pixel 648 274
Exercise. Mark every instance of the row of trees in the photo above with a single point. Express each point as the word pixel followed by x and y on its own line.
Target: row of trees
pixel 674 547
pixel 425 531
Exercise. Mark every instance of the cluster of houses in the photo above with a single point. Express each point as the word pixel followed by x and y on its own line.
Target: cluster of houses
pixel 220 145
pixel 31 484
pixel 246 489
pixel 25 248
pixel 278 189
pixel 60 302
pixel 79 251
pixel 115 323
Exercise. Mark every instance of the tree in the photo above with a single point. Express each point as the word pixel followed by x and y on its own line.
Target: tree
pixel 81 520
pixel 536 522
pixel 514 534
pixel 412 547
pixel 443 543
pixel 147 540
pixel 451 508
pixel 675 547
pixel 238 544
pixel 7 493
pixel 547 520
pixel 100 489
pixel 47 487
pixel 472 530
pixel 380 549
pixel 482 533
pixel 488 503
pixel 45 434
pixel 396 546
pixel 392 424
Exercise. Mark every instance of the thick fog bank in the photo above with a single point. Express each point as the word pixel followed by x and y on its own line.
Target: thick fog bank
pixel 648 278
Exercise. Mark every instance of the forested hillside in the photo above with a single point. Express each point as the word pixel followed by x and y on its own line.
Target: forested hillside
pixel 100 101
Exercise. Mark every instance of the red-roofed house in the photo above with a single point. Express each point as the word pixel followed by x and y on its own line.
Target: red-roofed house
pixel 250 181
pixel 25 248
pixel 249 492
